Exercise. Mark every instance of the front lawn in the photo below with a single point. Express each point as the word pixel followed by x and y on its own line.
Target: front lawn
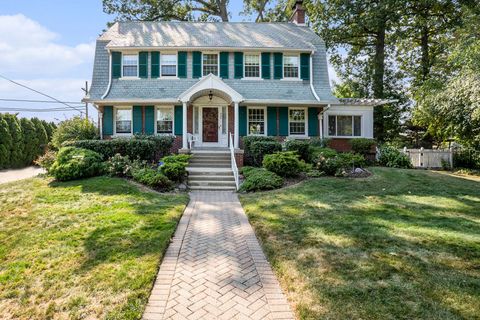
pixel 402 244
pixel 86 249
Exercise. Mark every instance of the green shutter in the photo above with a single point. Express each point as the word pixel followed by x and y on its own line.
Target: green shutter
pixel 224 65
pixel 197 64
pixel 155 64
pixel 182 64
pixel 178 114
pixel 107 120
pixel 271 121
pixel 305 66
pixel 238 59
pixel 313 122
pixel 116 65
pixel 143 64
pixel 137 120
pixel 149 119
pixel 242 121
pixel 266 65
pixel 278 65
pixel 283 120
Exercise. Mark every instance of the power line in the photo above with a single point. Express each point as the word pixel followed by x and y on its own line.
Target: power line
pixel 37 101
pixel 35 110
pixel 39 92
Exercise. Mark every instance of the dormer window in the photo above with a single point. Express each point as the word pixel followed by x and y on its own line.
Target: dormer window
pixel 210 64
pixel 168 65
pixel 290 66
pixel 252 66
pixel 130 65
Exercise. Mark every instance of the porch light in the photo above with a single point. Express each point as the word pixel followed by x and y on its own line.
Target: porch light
pixel 210 95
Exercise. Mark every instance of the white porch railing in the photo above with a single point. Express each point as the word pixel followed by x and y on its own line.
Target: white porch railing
pixel 234 162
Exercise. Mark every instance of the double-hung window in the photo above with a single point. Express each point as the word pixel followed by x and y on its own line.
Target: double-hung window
pixel 165 120
pixel 344 126
pixel 168 65
pixel 210 64
pixel 290 66
pixel 130 65
pixel 123 120
pixel 297 121
pixel 252 66
pixel 256 121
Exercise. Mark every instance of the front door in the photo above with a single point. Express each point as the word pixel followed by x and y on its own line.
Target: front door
pixel 210 124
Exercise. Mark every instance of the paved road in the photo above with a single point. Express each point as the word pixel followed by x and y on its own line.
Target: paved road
pixel 215 268
pixel 19 174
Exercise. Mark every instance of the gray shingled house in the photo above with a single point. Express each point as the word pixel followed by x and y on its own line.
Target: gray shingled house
pixel 208 83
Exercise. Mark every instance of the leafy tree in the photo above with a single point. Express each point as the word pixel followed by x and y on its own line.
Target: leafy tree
pixel 16 149
pixel 49 128
pixel 30 141
pixel 74 129
pixel 5 144
pixel 268 10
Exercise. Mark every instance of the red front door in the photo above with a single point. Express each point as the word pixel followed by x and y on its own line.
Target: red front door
pixel 210 124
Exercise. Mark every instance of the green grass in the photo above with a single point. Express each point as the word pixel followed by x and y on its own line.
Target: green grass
pixel 402 244
pixel 82 249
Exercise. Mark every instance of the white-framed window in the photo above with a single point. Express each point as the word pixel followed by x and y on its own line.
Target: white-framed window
pixel 252 65
pixel 344 126
pixel 168 65
pixel 297 121
pixel 210 63
pixel 256 121
pixel 290 66
pixel 164 120
pixel 123 120
pixel 130 65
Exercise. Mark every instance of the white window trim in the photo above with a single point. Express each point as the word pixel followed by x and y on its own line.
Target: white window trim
pixel 283 67
pixel 218 62
pixel 160 65
pixel 265 122
pixel 259 66
pixel 173 121
pixel 115 121
pixel 306 122
pixel 353 129
pixel 138 66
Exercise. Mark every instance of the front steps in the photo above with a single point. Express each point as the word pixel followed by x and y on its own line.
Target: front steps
pixel 210 170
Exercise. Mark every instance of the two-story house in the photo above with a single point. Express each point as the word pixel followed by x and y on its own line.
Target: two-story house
pixel 202 81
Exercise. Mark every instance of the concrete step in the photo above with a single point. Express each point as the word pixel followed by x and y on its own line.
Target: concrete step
pixel 209 188
pixel 211 183
pixel 210 177
pixel 208 165
pixel 209 172
pixel 210 157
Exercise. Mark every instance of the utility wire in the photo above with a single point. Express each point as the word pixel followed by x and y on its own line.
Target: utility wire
pixel 35 110
pixel 39 92
pixel 38 101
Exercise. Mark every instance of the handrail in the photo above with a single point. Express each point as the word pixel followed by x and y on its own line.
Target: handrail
pixel 234 162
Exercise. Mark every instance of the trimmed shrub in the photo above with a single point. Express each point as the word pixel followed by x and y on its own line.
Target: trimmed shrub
pixel 257 179
pixel 152 178
pixel 74 129
pixel 246 169
pixel 319 142
pixel 285 164
pixel 392 157
pixel 16 147
pixel 30 142
pixel 362 146
pixel 301 147
pixel 247 145
pixel 5 144
pixel 76 163
pixel 119 166
pixel 174 171
pixel 163 144
pixel 46 160
pixel 175 158
pixel 261 148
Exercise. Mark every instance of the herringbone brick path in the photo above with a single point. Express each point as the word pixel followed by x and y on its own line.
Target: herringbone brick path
pixel 214 268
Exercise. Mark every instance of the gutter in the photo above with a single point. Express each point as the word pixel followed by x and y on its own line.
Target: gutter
pixel 311 77
pixel 109 74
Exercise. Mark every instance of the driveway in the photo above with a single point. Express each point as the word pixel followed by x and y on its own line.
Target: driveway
pixel 19 174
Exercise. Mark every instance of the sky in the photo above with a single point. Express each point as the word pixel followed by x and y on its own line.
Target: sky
pixel 49 45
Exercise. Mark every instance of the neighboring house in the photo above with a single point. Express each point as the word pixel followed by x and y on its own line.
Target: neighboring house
pixel 203 81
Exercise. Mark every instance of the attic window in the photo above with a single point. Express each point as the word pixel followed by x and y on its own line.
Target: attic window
pixel 210 64
pixel 169 65
pixel 130 65
pixel 290 66
pixel 252 66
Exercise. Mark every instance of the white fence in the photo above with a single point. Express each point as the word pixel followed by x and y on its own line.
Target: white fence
pixel 429 158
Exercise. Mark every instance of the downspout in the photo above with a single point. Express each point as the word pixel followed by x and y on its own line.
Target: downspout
pixel 311 76
pixel 109 74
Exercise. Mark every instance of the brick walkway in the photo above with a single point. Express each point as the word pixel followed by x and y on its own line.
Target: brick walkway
pixel 214 268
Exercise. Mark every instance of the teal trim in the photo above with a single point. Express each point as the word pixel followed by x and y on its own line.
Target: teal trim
pixel 266 65
pixel 178 115
pixel 224 65
pixel 283 120
pixel 196 64
pixel 182 64
pixel 143 64
pixel 313 122
pixel 305 66
pixel 238 60
pixel 116 65
pixel 149 120
pixel 155 64
pixel 242 121
pixel 272 121
pixel 137 120
pixel 278 65
pixel 107 121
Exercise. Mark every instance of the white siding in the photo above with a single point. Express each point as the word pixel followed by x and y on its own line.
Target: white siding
pixel 365 111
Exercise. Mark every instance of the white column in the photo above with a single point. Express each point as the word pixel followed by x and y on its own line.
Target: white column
pixel 100 124
pixel 184 127
pixel 236 125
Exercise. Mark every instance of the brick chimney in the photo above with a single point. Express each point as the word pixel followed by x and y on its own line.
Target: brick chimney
pixel 298 16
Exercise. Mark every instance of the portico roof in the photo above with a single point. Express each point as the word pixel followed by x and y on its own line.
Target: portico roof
pixel 211 84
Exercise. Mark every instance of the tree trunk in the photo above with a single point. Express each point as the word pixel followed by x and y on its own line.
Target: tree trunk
pixel 378 79
pixel 425 59
pixel 222 9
